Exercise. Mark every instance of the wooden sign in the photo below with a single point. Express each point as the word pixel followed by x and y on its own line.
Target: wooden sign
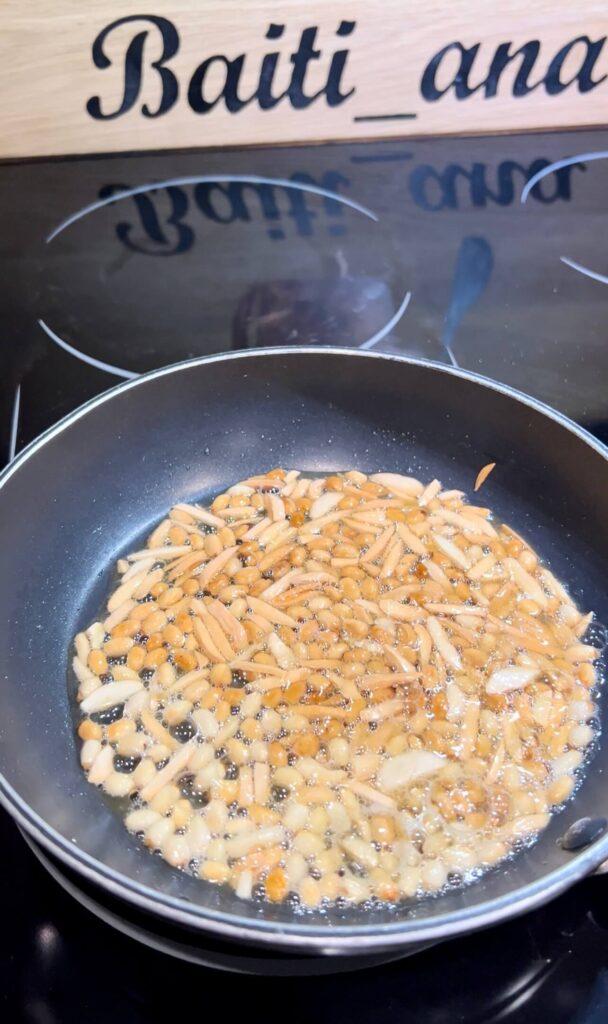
pixel 84 76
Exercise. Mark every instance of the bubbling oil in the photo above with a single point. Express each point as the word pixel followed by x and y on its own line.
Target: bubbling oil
pixel 340 689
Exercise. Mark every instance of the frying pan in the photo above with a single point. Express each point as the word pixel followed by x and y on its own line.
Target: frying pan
pixel 90 489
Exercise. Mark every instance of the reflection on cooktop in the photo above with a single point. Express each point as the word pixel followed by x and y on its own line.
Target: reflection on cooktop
pixel 486 253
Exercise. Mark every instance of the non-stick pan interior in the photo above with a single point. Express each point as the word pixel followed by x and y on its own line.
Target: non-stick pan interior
pixel 96 484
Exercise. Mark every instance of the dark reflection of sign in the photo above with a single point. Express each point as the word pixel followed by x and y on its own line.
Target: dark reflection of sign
pixel 456 185
pixel 167 220
pixel 168 232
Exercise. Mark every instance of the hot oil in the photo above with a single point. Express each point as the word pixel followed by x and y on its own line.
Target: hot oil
pixel 455 879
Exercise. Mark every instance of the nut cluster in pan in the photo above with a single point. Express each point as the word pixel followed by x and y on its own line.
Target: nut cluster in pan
pixel 338 688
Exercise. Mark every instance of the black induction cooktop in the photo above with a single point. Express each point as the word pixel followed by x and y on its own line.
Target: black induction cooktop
pixel 490 254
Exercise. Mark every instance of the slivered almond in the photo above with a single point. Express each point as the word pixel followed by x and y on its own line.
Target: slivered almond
pixel 145 586
pixel 583 623
pixel 315 488
pixel 403 612
pixel 582 652
pixel 436 572
pixel 215 566
pixel 371 795
pixel 430 491
pixel 555 587
pixel 471 522
pixel 275 555
pixel 451 495
pixel 264 684
pixel 163 554
pixel 229 623
pixel 269 612
pixel 376 549
pixel 443 644
pixel 372 679
pixel 218 636
pixel 283 584
pixel 392 559
pixel 263 482
pixel 119 615
pixel 513 678
pixel 324 504
pixel 140 562
pixel 157 730
pixel 256 530
pixel 401 663
pixel 160 534
pixel 373 517
pixel 469 729
pixel 526 582
pixel 272 533
pixel 346 687
pixel 201 514
pixel 411 540
pixel 189 677
pixel 187 562
pixel 333 663
pixel 287 534
pixel 261 621
pixel 254 666
pixel 425 644
pixel 450 550
pixel 274 507
pixel 315 525
pixel 404 768
pixel 174 766
pixel 190 528
pixel 485 565
pixel 406 486
pixel 362 527
pixel 261 782
pixel 205 640
pixel 246 794
pixel 455 609
pixel 107 696
pixel 300 488
pixel 318 711
pixel 456 702
pixel 282 654
pixel 241 489
pixel 405 591
pixel 377 503
pixel 378 712
pixel 497 763
pixel 295 578
pixel 125 590
pixel 483 475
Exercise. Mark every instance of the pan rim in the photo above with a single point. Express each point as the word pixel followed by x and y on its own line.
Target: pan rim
pixel 335 939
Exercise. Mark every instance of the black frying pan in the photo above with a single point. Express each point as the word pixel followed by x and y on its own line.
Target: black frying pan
pixel 94 485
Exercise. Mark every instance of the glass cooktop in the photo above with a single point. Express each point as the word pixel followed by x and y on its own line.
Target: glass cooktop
pixel 489 254
pixel 486 253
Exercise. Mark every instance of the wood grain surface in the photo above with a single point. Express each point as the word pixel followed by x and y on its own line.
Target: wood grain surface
pixel 79 76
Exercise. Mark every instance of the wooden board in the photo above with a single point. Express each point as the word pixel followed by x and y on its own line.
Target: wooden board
pixel 84 76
